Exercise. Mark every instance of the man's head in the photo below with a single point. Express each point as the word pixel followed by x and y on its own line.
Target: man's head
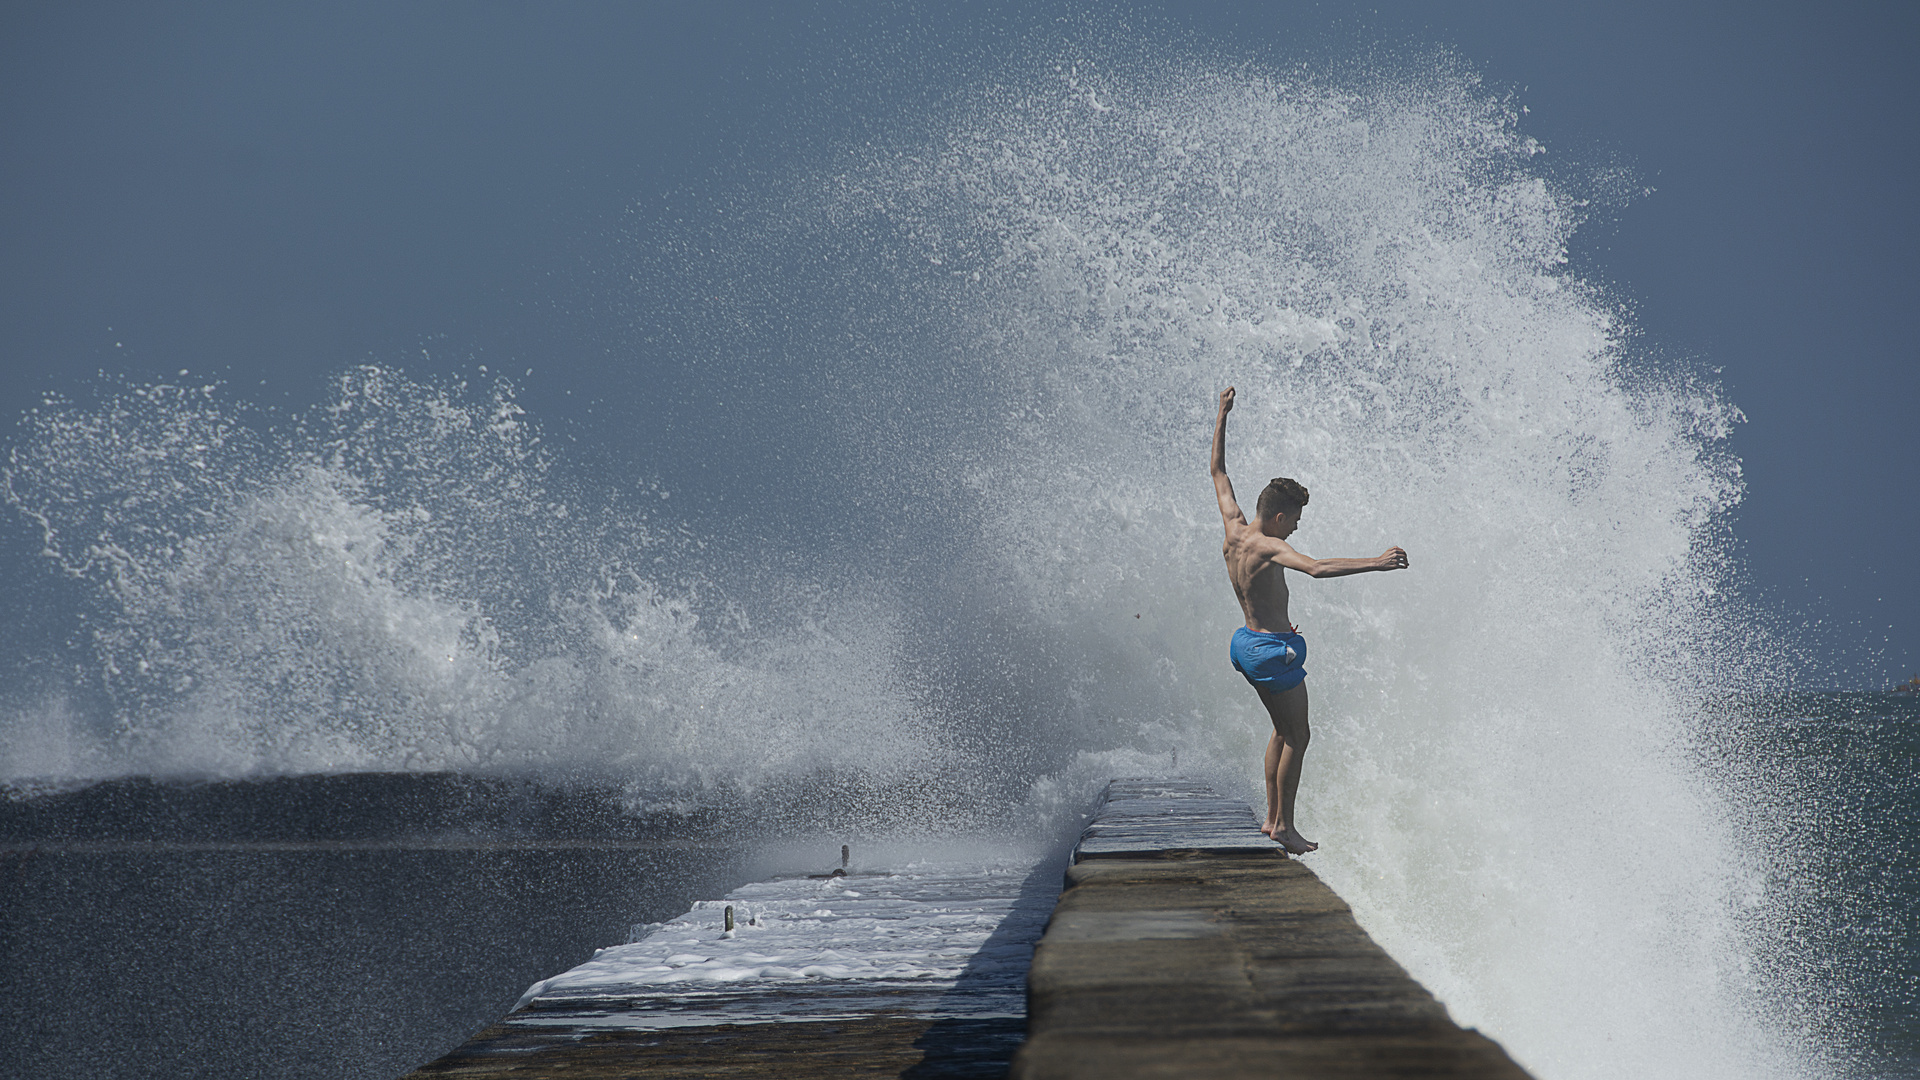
pixel 1283 499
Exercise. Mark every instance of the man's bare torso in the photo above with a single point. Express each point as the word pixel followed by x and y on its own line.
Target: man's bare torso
pixel 1259 581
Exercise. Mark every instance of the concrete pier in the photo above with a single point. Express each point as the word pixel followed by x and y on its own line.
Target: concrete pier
pixel 1185 945
pixel 1188 945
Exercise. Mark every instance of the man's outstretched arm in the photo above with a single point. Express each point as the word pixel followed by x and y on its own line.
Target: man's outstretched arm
pixel 1391 559
pixel 1222 487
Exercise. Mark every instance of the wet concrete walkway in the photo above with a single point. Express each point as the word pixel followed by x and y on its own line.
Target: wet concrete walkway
pixel 1185 945
pixel 1188 945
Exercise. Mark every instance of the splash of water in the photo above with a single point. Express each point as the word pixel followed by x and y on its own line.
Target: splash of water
pixel 1502 764
pixel 394 583
pixel 1037 297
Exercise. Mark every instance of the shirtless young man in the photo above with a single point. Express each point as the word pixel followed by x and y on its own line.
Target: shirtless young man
pixel 1268 650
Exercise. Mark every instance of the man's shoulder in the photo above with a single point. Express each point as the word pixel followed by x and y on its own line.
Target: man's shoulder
pixel 1245 537
pixel 1251 543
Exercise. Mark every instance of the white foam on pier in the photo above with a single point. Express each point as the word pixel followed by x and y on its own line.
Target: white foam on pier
pixel 941 939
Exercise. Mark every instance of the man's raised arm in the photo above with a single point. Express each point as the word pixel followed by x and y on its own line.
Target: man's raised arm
pixel 1222 487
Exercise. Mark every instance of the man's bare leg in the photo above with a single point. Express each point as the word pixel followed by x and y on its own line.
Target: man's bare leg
pixel 1285 754
pixel 1272 771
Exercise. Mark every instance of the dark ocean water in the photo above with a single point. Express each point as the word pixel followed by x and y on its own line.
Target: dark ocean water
pixel 1873 866
pixel 358 926
pixel 314 927
pixel 1845 770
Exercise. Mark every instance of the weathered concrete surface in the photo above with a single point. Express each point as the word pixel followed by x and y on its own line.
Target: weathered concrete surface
pixel 1185 945
pixel 1149 817
pixel 916 1047
pixel 1175 954
pixel 916 972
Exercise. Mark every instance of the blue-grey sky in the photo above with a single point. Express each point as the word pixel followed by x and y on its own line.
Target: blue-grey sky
pixel 267 193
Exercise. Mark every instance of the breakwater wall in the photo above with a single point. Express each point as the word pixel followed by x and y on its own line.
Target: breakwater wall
pixel 1184 944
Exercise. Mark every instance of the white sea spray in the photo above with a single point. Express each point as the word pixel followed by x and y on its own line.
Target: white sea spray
pixel 1013 319
pixel 1501 767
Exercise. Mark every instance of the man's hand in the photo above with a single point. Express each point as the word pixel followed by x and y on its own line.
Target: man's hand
pixel 1226 401
pixel 1394 559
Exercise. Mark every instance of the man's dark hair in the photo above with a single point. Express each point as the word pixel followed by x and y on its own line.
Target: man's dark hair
pixel 1282 494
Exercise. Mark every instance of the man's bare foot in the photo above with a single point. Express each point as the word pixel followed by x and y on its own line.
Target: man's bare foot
pixel 1294 842
pixel 1267 829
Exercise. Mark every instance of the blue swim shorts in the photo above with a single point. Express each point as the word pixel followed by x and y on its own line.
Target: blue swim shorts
pixel 1271 662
